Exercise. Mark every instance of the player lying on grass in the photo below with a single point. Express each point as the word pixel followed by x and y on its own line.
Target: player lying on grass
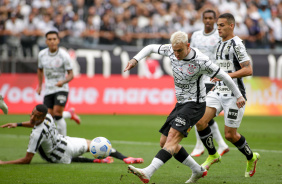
pixel 54 147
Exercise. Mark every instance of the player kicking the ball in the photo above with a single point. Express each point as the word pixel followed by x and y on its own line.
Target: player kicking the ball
pixel 188 66
pixel 54 147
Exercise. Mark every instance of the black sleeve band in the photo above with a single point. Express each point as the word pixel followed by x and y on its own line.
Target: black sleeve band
pixel 19 124
pixel 215 73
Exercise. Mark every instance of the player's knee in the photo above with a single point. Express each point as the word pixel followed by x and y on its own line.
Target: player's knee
pixel 201 125
pixel 58 117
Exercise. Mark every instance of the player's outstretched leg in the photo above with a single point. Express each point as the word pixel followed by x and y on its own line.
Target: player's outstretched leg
pixel 127 160
pixel 131 160
pixel 141 173
pixel 3 105
pixel 197 175
pixel 107 160
pixel 251 165
pixel 199 147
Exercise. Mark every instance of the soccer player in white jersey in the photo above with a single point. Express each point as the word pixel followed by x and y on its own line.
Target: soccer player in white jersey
pixel 188 66
pixel 53 63
pixel 206 41
pixel 231 57
pixel 54 147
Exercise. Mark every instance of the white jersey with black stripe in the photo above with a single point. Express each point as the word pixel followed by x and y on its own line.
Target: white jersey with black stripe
pixel 229 55
pixel 206 43
pixel 55 66
pixel 45 139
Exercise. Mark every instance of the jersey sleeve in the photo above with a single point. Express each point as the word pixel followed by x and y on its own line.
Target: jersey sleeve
pixel 39 65
pixel 153 48
pixel 67 62
pixel 165 50
pixel 209 68
pixel 240 52
pixel 35 140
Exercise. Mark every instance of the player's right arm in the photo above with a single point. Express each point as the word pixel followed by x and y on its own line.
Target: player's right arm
pixel 40 80
pixel 146 51
pixel 14 125
pixel 25 160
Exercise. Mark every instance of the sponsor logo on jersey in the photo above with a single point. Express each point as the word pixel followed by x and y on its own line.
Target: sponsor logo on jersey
pixel 239 52
pixel 232 114
pixel 180 121
pixel 226 65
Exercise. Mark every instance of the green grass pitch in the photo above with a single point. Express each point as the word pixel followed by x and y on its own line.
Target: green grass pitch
pixel 138 136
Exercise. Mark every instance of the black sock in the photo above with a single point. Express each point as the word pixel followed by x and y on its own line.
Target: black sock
pixel 82 159
pixel 181 155
pixel 163 155
pixel 211 122
pixel 243 146
pixel 117 154
pixel 207 139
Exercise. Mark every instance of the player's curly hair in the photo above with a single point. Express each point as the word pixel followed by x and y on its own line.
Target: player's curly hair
pixel 179 37
pixel 42 108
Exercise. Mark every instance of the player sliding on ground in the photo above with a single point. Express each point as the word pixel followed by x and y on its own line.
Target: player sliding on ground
pixel 54 147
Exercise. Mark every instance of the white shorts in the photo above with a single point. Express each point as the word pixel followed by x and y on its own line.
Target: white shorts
pixel 75 147
pixel 232 114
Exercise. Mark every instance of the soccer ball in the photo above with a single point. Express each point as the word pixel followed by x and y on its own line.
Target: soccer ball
pixel 100 147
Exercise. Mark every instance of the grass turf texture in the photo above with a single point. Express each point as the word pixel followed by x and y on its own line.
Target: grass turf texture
pixel 138 136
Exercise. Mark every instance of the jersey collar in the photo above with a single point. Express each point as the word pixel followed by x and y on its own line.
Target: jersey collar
pixel 191 55
pixel 53 54
pixel 207 34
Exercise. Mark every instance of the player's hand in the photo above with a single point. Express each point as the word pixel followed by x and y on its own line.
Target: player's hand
pixel 9 125
pixel 131 64
pixel 38 90
pixel 241 102
pixel 60 84
pixel 215 79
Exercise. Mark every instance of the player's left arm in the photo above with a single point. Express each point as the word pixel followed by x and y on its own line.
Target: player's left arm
pixel 25 160
pixel 246 70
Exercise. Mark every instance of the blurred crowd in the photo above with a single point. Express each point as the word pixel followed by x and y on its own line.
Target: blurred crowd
pixel 90 23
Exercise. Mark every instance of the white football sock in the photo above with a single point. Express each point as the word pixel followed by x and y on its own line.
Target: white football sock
pixel 217 136
pixel 61 126
pixel 66 115
pixel 190 162
pixel 155 165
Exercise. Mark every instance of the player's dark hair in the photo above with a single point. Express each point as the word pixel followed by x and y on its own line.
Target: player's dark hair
pixel 52 32
pixel 230 18
pixel 42 108
pixel 209 11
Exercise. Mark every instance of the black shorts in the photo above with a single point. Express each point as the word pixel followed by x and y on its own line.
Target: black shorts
pixel 183 117
pixel 208 87
pixel 59 98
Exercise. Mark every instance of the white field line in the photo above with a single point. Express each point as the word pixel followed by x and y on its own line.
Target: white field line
pixel 13 136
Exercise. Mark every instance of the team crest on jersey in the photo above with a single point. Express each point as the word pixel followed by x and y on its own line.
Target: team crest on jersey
pixel 57 63
pixel 191 69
